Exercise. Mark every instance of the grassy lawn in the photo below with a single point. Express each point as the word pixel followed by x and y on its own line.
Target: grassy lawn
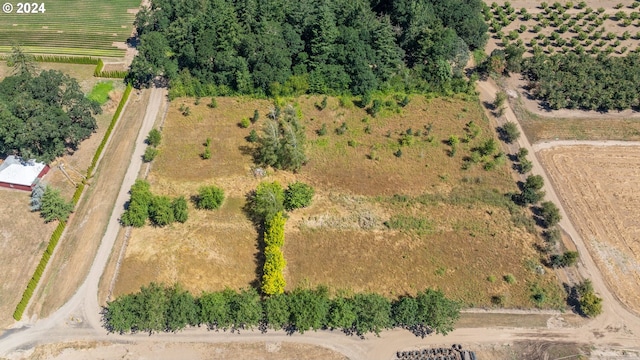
pixel 71 27
pixel 446 227
pixel 100 92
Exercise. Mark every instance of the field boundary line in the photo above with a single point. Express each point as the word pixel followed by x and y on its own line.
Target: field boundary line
pixel 550 144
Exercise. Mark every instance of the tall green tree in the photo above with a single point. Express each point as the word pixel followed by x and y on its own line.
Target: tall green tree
pixel 54 206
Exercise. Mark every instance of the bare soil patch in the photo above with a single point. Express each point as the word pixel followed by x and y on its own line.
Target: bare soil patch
pixel 260 350
pixel 341 241
pixel 598 187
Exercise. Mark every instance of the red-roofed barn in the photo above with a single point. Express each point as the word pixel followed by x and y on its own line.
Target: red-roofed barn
pixel 16 173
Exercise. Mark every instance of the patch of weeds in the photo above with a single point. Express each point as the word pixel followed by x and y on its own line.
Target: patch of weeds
pixel 491 278
pixel 509 279
pixel 342 129
pixel 441 271
pixel 409 223
pixel 322 131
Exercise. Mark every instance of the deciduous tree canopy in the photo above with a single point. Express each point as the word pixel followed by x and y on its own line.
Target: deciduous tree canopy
pixel 43 115
pixel 277 47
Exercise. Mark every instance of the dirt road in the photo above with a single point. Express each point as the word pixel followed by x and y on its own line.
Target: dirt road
pixel 614 314
pixel 79 318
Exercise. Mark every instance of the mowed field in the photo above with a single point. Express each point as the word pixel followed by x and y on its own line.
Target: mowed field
pixel 454 229
pixel 599 188
pixel 23 234
pixel 71 27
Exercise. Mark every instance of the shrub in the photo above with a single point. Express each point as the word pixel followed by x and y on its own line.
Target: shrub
pixel 550 213
pixel 36 196
pixel 255 117
pixel 206 155
pixel 253 136
pixel 273 282
pixel 298 195
pixel 150 154
pixel 161 211
pixel 322 131
pixel 154 138
pixel 213 104
pixel 509 279
pixel 568 258
pixel 509 132
pixel 53 206
pixel 210 197
pixel 180 210
pixel 244 123
pixel 267 201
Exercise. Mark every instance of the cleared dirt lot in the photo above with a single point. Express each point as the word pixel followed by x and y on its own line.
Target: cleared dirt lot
pixel 258 351
pixel 598 187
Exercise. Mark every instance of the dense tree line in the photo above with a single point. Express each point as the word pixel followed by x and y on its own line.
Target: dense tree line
pixel 157 308
pixel 278 47
pixel 42 114
pixel 573 81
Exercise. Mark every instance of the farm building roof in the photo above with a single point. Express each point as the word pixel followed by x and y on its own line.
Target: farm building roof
pixel 15 170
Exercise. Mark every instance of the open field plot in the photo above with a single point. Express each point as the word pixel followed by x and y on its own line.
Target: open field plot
pixel 70 27
pixel 448 227
pixel 588 27
pixel 598 186
pixel 609 126
pixel 23 238
pixel 23 234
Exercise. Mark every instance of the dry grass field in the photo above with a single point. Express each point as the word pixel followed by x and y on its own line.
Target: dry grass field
pixel 598 186
pixel 456 229
pixel 575 125
pixel 24 234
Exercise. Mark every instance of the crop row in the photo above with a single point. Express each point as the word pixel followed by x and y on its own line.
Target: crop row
pixel 116 53
pixel 57 233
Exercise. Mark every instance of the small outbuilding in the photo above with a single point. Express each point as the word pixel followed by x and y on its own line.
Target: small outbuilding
pixel 16 173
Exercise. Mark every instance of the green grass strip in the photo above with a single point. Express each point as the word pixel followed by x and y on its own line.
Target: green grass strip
pixel 100 92
pixel 57 233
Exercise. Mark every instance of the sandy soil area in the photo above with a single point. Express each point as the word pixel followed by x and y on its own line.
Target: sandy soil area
pixel 194 351
pixel 598 187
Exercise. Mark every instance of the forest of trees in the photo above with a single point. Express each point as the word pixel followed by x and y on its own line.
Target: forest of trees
pixel 279 47
pixel 42 114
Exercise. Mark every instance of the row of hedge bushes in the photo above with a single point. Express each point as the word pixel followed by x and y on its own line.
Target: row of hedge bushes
pixel 82 60
pixel 273 282
pixel 159 308
pixel 35 279
pixel 57 233
pixel 113 74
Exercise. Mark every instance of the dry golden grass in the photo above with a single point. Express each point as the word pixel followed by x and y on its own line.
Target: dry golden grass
pixel 539 128
pixel 340 240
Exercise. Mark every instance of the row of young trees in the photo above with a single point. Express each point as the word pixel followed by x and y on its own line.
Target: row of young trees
pixel 157 308
pixel 278 47
pixel 42 113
